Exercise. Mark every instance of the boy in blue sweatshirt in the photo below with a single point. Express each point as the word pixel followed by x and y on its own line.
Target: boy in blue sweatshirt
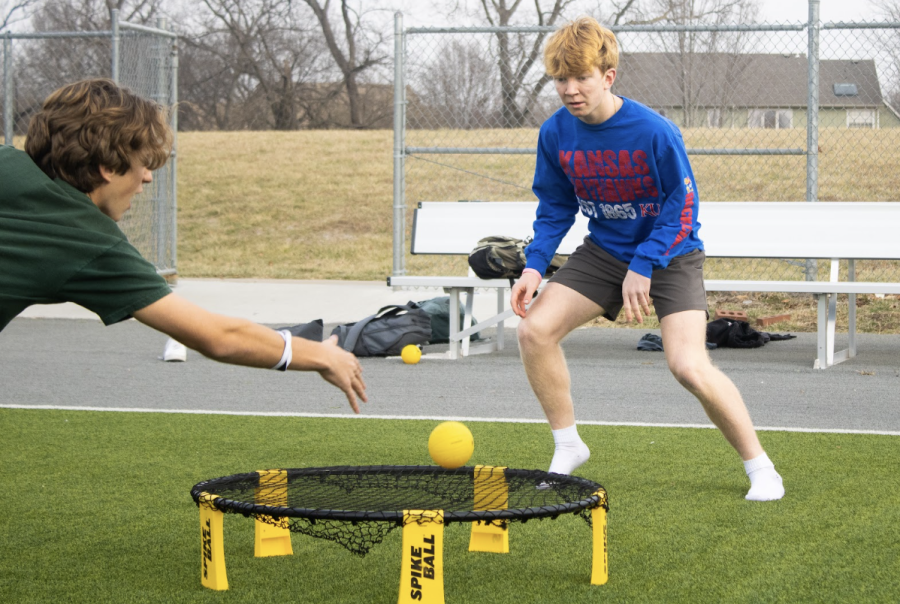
pixel 625 167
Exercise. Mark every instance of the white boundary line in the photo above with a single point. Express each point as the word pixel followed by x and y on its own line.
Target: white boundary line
pixel 508 420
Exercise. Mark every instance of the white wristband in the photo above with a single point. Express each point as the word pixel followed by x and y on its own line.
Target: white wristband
pixel 288 353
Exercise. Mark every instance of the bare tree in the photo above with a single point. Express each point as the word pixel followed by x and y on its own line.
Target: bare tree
pixel 686 49
pixel 889 10
pixel 244 63
pixel 90 15
pixel 517 54
pixel 457 89
pixel 42 65
pixel 13 11
pixel 359 50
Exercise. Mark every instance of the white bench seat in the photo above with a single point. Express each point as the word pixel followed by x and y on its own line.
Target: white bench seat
pixel 833 231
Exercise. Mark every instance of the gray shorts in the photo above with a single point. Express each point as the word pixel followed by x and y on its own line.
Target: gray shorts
pixel 598 276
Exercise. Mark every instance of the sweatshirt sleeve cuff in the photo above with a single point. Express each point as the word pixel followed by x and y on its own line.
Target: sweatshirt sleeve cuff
pixel 641 266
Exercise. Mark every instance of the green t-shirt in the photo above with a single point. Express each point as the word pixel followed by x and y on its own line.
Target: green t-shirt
pixel 57 246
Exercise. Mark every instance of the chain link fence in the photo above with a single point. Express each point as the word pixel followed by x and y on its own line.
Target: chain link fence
pixel 769 112
pixel 145 60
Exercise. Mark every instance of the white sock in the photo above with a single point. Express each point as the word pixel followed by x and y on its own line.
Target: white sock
pixel 570 451
pixel 765 482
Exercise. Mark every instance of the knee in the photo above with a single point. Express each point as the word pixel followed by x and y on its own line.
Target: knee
pixel 534 334
pixel 692 374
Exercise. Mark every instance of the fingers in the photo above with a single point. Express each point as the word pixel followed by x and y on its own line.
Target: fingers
pixel 636 307
pixel 646 306
pixel 522 293
pixel 345 372
pixel 351 396
pixel 357 387
pixel 518 301
pixel 355 390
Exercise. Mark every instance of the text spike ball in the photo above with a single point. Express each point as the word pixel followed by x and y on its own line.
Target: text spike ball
pixel 451 445
pixel 411 354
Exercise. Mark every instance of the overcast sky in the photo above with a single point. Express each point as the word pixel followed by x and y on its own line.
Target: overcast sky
pixel 778 11
pixel 415 13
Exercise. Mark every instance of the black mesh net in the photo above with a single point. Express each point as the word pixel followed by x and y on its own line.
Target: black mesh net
pixel 357 506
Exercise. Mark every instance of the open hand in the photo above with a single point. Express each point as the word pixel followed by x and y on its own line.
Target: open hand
pixel 523 292
pixel 636 296
pixel 344 371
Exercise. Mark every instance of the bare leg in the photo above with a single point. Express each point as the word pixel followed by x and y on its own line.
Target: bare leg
pixel 684 337
pixel 554 313
pixel 557 311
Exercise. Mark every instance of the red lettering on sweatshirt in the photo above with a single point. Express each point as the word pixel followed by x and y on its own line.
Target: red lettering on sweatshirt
pixel 625 167
pixel 564 158
pixel 640 162
pixel 580 164
pixel 609 158
pixel 687 220
pixel 595 163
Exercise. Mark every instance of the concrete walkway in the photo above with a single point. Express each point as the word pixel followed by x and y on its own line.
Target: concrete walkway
pixel 85 365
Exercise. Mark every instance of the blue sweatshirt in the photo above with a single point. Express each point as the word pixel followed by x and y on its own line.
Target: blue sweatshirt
pixel 629 175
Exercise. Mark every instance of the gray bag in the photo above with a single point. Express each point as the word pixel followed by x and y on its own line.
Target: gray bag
pixel 439 310
pixel 386 332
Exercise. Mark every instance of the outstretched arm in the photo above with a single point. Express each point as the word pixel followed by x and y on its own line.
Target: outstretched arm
pixel 241 342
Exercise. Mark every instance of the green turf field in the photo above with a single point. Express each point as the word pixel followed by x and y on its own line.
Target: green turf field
pixel 96 508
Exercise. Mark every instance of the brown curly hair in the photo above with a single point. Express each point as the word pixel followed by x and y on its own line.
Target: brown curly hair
pixel 94 123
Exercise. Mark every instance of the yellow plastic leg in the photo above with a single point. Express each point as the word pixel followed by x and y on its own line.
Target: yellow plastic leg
pixel 491 493
pixel 422 566
pixel 212 549
pixel 272 539
pixel 489 538
pixel 600 565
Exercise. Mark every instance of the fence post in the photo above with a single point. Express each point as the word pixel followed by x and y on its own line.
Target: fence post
pixel 9 127
pixel 399 148
pixel 812 120
pixel 114 50
pixel 173 158
pixel 160 96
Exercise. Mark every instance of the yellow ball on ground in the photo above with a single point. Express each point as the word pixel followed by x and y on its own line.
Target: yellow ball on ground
pixel 451 444
pixel 411 354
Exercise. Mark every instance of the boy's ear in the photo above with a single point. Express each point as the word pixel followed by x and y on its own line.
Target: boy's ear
pixel 610 76
pixel 106 173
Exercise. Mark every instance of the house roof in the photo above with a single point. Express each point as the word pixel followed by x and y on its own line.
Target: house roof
pixel 742 80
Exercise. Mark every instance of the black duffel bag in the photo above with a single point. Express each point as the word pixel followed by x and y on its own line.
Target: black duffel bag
pixel 386 332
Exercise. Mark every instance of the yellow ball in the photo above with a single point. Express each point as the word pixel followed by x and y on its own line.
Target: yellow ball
pixel 411 354
pixel 451 444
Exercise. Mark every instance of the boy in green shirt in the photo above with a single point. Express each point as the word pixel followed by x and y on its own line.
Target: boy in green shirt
pixel 88 152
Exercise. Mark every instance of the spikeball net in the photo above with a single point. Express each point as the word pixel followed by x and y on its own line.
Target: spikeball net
pixel 357 506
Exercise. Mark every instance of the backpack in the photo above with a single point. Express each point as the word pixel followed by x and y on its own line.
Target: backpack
pixel 309 331
pixel 439 310
pixel 386 332
pixel 499 257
